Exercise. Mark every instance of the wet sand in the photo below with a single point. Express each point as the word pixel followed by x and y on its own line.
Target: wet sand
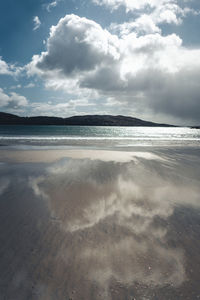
pixel 20 156
pixel 100 225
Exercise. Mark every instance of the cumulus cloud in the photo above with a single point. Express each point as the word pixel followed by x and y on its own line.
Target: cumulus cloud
pixel 143 24
pixel 131 4
pixel 37 23
pixel 12 100
pixel 151 13
pixel 4 68
pixel 168 13
pixel 144 71
pixel 166 7
pixel 8 69
pixel 79 48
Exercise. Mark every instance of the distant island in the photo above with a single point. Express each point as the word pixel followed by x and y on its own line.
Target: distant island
pixel 85 120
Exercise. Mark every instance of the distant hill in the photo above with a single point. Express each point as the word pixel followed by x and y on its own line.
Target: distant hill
pixel 87 120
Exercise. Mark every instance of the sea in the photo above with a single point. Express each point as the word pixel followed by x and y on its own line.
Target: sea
pixel 97 136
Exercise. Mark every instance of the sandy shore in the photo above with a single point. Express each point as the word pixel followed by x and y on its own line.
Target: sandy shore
pixel 54 155
pixel 99 225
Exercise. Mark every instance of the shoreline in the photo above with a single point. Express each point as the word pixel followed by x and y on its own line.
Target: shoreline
pixel 52 155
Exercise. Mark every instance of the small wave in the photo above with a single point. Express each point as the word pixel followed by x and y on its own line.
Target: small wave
pixel 57 138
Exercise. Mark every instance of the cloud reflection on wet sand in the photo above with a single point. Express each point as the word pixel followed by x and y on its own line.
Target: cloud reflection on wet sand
pixel 105 228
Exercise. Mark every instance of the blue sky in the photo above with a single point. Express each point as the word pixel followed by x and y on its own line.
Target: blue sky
pixel 133 57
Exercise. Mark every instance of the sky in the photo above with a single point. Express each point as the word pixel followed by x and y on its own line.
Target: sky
pixel 139 58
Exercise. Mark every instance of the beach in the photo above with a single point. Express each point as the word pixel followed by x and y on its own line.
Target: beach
pixel 100 224
pixel 99 150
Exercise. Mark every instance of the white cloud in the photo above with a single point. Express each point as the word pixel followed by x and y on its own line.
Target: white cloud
pixel 30 85
pixel 14 87
pixel 168 13
pixel 148 22
pixel 37 23
pixel 4 68
pixel 9 69
pixel 51 5
pixel 142 25
pixel 159 11
pixel 79 48
pixel 144 71
pixel 12 100
pixel 132 5
pixel 61 109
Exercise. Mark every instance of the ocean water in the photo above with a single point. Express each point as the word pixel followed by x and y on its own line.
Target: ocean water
pixel 98 136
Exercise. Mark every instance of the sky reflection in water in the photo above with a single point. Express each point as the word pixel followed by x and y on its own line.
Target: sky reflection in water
pixel 93 229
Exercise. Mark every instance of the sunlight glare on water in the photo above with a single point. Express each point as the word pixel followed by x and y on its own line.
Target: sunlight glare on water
pixel 87 135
